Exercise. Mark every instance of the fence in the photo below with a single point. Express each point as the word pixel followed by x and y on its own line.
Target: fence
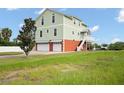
pixel 10 49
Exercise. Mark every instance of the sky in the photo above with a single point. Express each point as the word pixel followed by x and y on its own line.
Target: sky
pixel 106 25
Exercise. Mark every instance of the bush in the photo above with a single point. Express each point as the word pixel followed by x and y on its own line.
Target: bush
pixel 8 44
pixel 116 46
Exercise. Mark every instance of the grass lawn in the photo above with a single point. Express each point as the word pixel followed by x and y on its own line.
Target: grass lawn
pixel 10 53
pixel 100 67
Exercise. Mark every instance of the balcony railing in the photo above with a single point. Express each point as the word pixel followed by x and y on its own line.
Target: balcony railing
pixel 87 38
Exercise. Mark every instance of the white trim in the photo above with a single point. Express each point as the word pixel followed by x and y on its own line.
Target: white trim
pixel 80 29
pixel 46 41
pixel 50 26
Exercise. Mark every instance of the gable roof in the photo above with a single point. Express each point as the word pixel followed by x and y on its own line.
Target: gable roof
pixel 70 17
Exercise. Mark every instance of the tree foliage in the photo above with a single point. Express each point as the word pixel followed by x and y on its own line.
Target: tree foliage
pixel 96 45
pixel 6 34
pixel 104 45
pixel 0 37
pixel 27 35
pixel 116 46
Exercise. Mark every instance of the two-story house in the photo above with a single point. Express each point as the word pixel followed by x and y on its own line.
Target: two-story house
pixel 59 32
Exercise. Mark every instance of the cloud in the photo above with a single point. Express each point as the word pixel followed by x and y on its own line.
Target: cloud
pixel 40 12
pixel 115 40
pixel 95 28
pixel 93 39
pixel 20 25
pixel 120 17
pixel 63 9
pixel 11 9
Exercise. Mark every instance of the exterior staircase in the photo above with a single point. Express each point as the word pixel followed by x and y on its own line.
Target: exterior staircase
pixel 80 46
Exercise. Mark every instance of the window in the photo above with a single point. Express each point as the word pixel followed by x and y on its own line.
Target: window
pixel 42 22
pixel 55 32
pixel 78 33
pixel 40 33
pixel 53 18
pixel 74 21
pixel 79 23
pixel 47 31
pixel 73 32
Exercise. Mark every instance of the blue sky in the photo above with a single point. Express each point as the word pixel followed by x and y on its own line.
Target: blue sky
pixel 107 25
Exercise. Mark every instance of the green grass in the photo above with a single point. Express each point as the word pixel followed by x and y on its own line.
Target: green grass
pixel 10 53
pixel 101 67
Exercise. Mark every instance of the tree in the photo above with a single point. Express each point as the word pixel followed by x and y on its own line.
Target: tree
pixel 104 45
pixel 116 46
pixel 0 37
pixel 15 40
pixel 6 34
pixel 95 46
pixel 27 36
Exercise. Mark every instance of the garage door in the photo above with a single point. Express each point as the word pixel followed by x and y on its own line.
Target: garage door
pixel 57 47
pixel 43 47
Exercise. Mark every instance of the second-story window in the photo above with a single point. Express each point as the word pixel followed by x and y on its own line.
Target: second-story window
pixel 53 18
pixel 40 33
pixel 78 33
pixel 74 22
pixel 42 21
pixel 47 31
pixel 73 32
pixel 55 32
pixel 79 23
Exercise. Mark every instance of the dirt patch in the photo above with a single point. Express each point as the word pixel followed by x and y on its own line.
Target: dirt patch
pixel 108 59
pixel 83 66
pixel 44 72
pixel 70 67
pixel 20 74
pixel 64 67
pixel 13 74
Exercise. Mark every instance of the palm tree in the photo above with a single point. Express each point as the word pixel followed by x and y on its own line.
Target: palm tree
pixel 6 34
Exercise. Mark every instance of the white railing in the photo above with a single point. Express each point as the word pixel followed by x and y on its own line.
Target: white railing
pixel 88 38
pixel 81 45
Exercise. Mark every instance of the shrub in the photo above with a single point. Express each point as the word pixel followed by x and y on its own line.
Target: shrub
pixel 116 46
pixel 8 43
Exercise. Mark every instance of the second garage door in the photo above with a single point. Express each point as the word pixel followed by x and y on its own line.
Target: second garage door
pixel 57 47
pixel 43 47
